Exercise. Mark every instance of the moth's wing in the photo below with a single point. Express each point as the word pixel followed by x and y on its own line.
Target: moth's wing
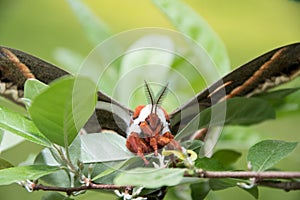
pixel 112 115
pixel 269 70
pixel 17 66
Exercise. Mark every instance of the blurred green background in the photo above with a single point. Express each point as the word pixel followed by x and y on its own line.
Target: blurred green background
pixel 248 29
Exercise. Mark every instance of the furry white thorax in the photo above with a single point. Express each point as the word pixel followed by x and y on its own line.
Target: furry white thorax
pixel 144 113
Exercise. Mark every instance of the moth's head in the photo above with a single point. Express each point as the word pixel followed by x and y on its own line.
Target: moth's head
pixel 152 113
pixel 153 108
pixel 145 113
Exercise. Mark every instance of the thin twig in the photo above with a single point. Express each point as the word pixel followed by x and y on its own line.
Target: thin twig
pixel 71 190
pixel 260 179
pixel 258 176
pixel 287 186
pixel 246 174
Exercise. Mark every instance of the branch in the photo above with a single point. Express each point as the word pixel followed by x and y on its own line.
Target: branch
pixel 70 190
pixel 245 174
pixel 258 176
pixel 259 179
pixel 287 186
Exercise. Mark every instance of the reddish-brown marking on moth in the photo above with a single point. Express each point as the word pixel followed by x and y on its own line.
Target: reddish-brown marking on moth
pixel 219 88
pixel 137 111
pixel 260 72
pixel 22 67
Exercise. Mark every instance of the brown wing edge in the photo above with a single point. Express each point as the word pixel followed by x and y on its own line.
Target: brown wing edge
pixel 274 67
pixel 16 66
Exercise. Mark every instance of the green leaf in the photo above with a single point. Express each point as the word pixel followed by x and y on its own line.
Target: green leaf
pixel 291 103
pixel 283 100
pixel 32 172
pixel 150 178
pixel 265 154
pixel 187 21
pixel 75 149
pixel 179 192
pixel 109 170
pixel 58 178
pixel 277 96
pixel 252 191
pixel 4 164
pixel 33 87
pixel 194 145
pixel 101 147
pixel 21 126
pixel 114 168
pixel 209 164
pixel 200 190
pixel 95 30
pixel 12 106
pixel 226 157
pixel 56 196
pixel 241 137
pixel 226 112
pixel 106 172
pixel 29 160
pixel 1 135
pixel 10 140
pixel 246 115
pixel 45 157
pixel 61 110
pixel 222 183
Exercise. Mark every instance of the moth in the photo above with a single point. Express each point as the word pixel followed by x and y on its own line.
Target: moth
pixel 150 127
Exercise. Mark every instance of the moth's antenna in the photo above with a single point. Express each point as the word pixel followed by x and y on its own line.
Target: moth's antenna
pixel 160 96
pixel 150 95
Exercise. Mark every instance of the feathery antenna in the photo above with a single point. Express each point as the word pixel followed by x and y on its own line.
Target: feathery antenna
pixel 150 95
pixel 158 98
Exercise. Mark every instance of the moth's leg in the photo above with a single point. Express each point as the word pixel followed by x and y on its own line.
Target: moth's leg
pixel 174 145
pixel 137 145
pixel 153 144
pixel 167 139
